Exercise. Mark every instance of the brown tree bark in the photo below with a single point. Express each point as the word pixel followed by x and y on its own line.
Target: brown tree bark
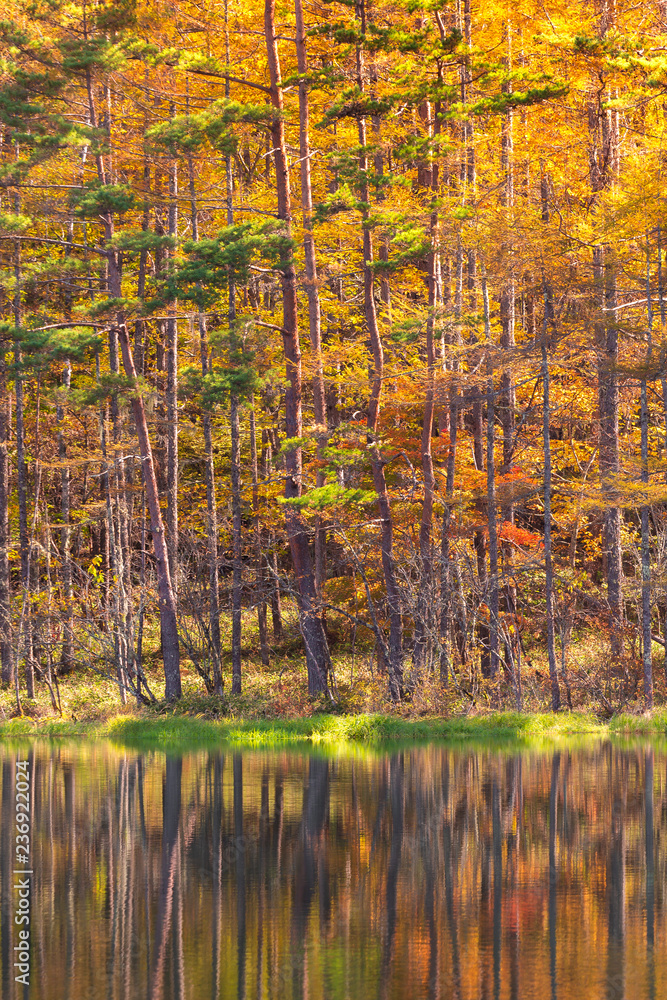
pixel 209 474
pixel 491 493
pixel 268 440
pixel 663 385
pixel 446 582
pixel 171 399
pixel 645 509
pixel 506 400
pixel 318 660
pixel 603 157
pixel 257 542
pixel 235 427
pixel 67 654
pixel 425 597
pixel 312 287
pixel 237 560
pixel 395 665
pixel 6 663
pixel 548 561
pixel 167 602
pixel 21 474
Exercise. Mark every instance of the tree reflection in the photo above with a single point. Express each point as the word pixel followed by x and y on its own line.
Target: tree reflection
pixel 429 873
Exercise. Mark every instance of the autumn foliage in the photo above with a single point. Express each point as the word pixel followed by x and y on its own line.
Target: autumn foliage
pixel 353 309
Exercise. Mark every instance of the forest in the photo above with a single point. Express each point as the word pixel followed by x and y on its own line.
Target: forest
pixel 338 320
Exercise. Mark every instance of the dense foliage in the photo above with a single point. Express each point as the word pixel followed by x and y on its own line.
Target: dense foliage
pixel 354 306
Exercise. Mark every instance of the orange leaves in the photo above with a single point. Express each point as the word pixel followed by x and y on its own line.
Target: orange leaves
pixel 520 537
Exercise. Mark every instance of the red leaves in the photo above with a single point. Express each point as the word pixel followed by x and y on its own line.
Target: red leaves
pixel 509 532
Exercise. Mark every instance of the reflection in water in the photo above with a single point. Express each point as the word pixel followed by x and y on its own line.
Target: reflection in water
pixel 430 873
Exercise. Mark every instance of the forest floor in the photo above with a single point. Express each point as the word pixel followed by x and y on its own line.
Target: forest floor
pixel 275 708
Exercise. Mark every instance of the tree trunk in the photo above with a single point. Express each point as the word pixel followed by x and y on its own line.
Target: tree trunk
pixel 663 383
pixel 237 528
pixel 272 558
pixel 171 400
pixel 645 510
pixel 446 602
pixel 67 654
pixel 209 475
pixel 491 493
pixel 646 559
pixel 609 448
pixel 312 288
pixel 6 664
pixel 257 542
pixel 116 521
pixel 425 597
pixel 425 580
pixel 235 426
pixel 168 621
pixel 548 564
pixel 21 467
pixel 507 395
pixel 479 540
pixel 377 463
pixel 603 156
pixel 507 295
pixel 318 660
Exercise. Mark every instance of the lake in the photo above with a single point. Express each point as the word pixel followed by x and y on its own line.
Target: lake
pixel 428 872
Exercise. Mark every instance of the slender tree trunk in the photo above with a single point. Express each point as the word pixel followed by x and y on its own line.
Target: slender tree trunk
pixel 67 654
pixel 171 400
pixel 479 540
pixel 425 595
pixel 312 287
pixel 168 620
pixel 257 542
pixel 447 581
pixel 142 595
pixel 6 663
pixel 663 383
pixel 318 660
pixel 468 181
pixel 491 494
pixel 548 564
pixel 377 462
pixel 507 395
pixel 237 563
pixel 28 625
pixel 603 162
pixel 272 557
pixel 645 510
pixel 508 293
pixel 116 520
pixel 446 602
pixel 235 425
pixel 609 449
pixel 21 465
pixel 209 474
pixel 646 558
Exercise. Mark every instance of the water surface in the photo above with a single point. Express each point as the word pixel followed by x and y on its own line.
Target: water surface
pixel 427 873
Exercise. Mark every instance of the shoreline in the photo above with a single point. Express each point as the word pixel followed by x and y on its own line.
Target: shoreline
pixel 182 732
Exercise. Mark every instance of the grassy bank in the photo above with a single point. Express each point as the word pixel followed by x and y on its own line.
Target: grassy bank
pixel 275 710
pixel 178 732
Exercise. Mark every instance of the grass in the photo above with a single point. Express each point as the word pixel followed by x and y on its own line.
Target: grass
pixel 177 732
